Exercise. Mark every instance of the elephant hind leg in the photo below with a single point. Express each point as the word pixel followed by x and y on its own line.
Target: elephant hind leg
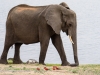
pixel 8 43
pixel 17 59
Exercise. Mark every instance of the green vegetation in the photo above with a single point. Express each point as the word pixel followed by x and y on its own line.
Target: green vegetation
pixel 53 65
pixel 10 61
pixel 85 70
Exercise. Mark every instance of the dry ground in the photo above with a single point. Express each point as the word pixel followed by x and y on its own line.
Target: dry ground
pixel 31 69
pixel 24 69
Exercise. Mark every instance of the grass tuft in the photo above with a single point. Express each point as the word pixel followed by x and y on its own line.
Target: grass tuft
pixel 53 65
pixel 10 61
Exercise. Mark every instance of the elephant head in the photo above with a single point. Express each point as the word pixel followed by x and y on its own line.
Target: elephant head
pixel 60 18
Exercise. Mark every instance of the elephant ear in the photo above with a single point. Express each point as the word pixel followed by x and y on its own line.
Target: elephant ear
pixel 53 19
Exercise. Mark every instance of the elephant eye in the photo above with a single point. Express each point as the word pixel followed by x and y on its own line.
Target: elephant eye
pixel 70 25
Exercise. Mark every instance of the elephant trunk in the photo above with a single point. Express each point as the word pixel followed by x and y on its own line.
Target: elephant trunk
pixel 74 45
pixel 74 38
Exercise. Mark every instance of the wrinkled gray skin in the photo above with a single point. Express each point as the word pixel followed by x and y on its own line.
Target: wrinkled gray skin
pixel 29 24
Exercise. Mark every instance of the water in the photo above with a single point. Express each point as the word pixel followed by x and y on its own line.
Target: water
pixel 88 20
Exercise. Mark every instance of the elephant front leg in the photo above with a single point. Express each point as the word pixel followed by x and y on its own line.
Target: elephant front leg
pixel 17 59
pixel 57 42
pixel 44 45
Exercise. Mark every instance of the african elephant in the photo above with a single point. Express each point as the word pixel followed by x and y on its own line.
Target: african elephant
pixel 31 24
pixel 65 5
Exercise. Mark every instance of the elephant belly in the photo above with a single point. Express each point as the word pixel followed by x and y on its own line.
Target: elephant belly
pixel 28 39
pixel 27 35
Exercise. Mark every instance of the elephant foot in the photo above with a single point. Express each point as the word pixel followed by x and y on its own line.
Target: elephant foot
pixel 42 63
pixel 74 65
pixel 2 61
pixel 17 62
pixel 65 64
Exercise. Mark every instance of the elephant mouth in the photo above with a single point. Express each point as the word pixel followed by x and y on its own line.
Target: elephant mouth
pixel 71 39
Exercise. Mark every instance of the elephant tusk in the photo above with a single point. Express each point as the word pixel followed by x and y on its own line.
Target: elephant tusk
pixel 71 39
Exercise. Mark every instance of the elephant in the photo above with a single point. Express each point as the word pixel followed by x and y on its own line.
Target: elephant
pixel 65 5
pixel 32 24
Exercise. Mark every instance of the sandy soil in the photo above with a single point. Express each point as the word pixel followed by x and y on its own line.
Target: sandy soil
pixel 29 69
